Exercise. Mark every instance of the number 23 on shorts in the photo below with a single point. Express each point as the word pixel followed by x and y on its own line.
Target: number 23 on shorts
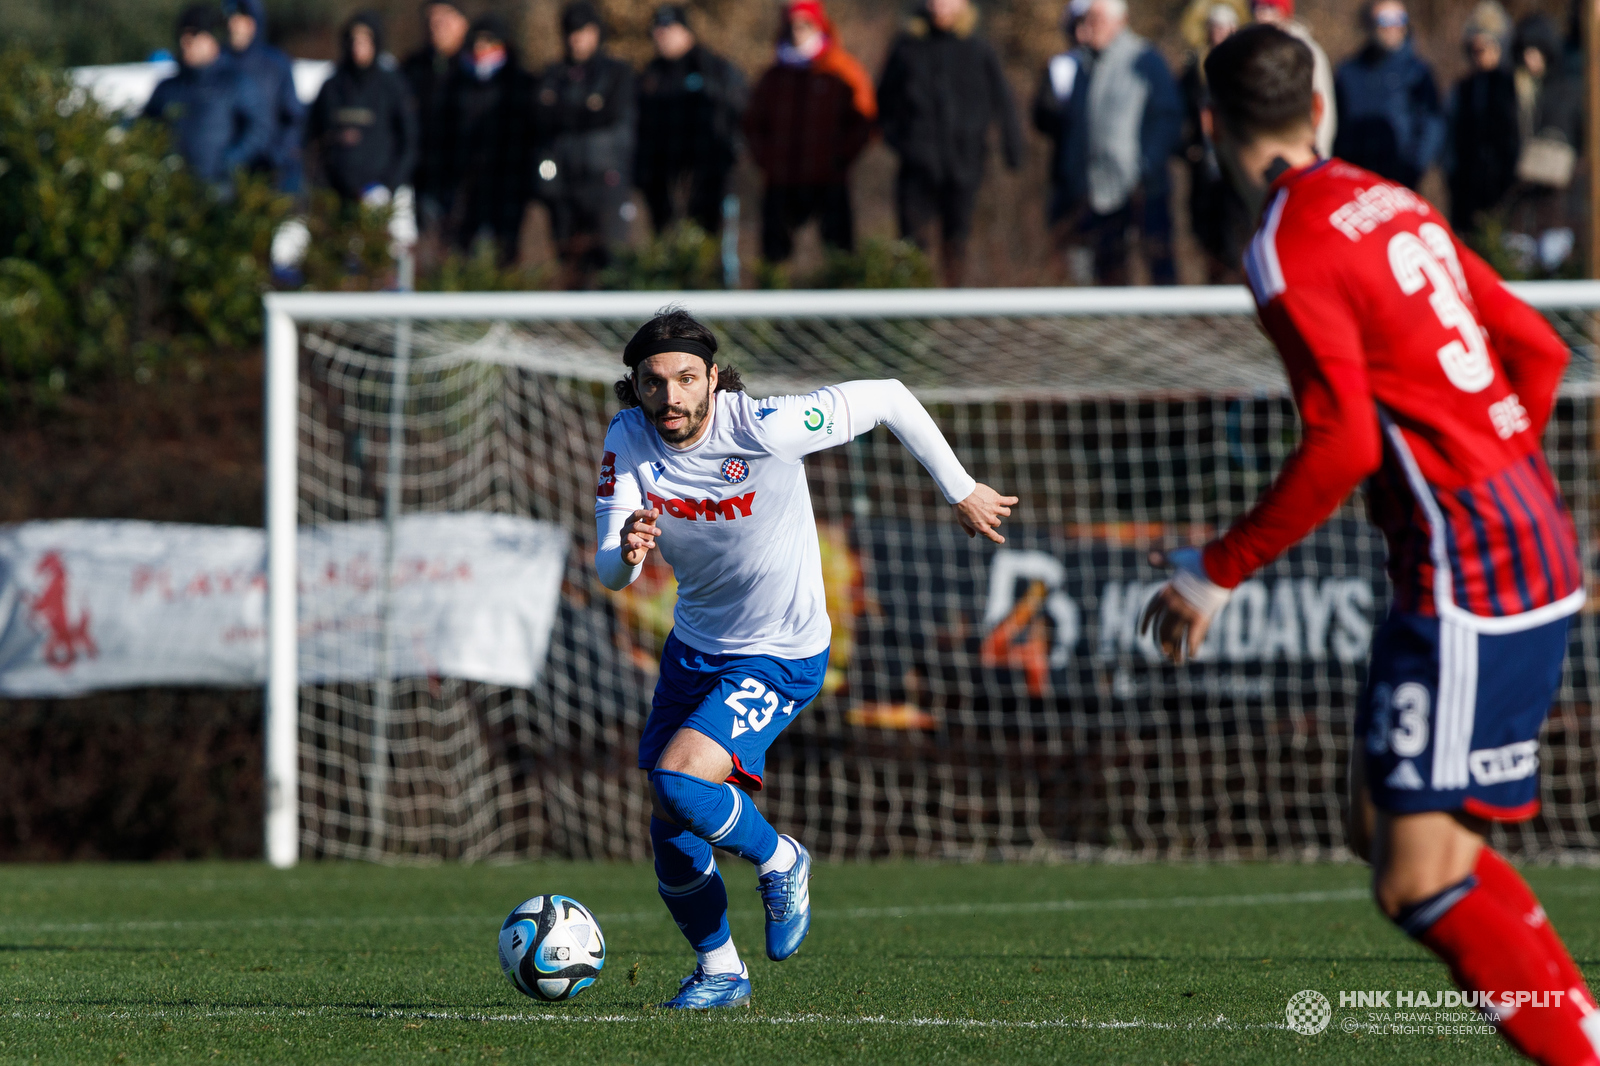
pixel 754 705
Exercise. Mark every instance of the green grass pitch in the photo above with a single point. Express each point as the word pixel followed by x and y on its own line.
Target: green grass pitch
pixel 905 963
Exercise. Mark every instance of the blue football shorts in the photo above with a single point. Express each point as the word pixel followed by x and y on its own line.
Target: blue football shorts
pixel 740 701
pixel 1451 717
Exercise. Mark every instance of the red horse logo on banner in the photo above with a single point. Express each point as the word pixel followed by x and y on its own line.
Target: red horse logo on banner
pixel 64 638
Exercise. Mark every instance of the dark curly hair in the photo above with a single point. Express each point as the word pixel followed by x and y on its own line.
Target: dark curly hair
pixel 674 323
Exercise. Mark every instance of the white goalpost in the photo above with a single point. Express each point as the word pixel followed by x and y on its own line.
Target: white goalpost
pixel 446 680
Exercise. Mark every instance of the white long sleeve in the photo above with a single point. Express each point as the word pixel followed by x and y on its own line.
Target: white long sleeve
pixel 614 571
pixel 889 403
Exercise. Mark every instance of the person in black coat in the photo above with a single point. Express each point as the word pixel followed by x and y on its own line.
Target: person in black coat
pixel 941 90
pixel 363 127
pixel 487 132
pixel 429 72
pixel 1550 104
pixel 690 103
pixel 1221 222
pixel 584 115
pixel 1484 139
pixel 1057 82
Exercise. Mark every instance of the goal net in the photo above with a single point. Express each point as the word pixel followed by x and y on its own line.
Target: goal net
pixel 980 702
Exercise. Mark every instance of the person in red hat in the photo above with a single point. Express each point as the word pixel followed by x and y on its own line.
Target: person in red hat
pixel 1280 13
pixel 810 116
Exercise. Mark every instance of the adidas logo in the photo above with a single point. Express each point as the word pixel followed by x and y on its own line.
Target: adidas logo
pixel 1405 777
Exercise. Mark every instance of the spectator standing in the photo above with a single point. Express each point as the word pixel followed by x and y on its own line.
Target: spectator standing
pixel 430 72
pixel 271 71
pixel 941 90
pixel 1217 214
pixel 1484 138
pixel 811 114
pixel 363 126
pixel 219 121
pixel 1280 13
pixel 1054 92
pixel 1543 210
pixel 1123 123
pixel 691 101
pixel 584 114
pixel 1390 120
pixel 484 170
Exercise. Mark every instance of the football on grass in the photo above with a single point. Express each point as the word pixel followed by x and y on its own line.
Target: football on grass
pixel 551 947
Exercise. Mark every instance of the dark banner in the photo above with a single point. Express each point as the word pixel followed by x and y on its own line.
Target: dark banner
pixel 1048 617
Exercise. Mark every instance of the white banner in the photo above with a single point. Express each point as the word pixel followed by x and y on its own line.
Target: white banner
pixel 88 605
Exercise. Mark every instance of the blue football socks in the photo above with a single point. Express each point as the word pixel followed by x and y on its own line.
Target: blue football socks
pixel 691 887
pixel 717 813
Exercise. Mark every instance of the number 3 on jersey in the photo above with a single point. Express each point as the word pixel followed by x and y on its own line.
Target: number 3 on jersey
pixel 754 718
pixel 1423 257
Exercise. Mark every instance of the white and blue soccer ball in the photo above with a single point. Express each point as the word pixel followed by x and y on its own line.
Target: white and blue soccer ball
pixel 551 948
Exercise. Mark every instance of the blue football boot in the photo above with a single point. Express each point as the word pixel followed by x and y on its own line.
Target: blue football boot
pixel 787 897
pixel 703 991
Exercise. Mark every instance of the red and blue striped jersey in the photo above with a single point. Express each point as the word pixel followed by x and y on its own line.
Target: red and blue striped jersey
pixel 1415 370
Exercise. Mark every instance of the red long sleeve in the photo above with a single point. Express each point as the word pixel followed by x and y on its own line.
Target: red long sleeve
pixel 1531 351
pixel 1340 443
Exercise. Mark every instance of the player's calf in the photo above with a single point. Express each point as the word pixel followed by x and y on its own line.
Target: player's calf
pixel 722 814
pixel 1493 953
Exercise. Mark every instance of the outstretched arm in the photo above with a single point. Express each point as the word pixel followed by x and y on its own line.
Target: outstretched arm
pixel 1339 446
pixel 792 427
pixel 889 403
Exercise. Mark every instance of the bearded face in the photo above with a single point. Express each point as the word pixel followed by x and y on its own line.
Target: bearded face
pixel 674 390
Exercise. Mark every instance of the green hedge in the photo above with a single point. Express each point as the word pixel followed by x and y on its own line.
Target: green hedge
pixel 113 258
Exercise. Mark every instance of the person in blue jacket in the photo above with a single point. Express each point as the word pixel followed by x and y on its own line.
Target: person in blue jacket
pixel 219 121
pixel 1390 118
pixel 272 72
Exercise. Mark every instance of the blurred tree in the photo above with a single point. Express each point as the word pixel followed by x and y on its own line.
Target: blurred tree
pixel 113 259
pixel 83 32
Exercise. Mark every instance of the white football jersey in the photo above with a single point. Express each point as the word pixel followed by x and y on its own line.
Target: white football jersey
pixel 736 522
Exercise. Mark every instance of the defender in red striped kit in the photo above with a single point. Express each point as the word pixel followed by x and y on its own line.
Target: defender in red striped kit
pixel 1417 372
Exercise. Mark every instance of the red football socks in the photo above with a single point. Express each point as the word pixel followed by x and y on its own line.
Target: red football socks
pixel 1492 948
pixel 1501 880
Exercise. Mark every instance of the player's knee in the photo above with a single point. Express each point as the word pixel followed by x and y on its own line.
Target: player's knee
pixel 1387 895
pixel 687 800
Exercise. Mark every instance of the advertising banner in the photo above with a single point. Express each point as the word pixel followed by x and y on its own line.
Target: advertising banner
pixel 88 605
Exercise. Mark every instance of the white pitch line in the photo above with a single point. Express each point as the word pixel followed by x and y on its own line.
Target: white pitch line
pixel 556 1017
pixel 1260 899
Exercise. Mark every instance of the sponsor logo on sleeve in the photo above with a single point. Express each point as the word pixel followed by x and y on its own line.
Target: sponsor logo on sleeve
pixel 608 475
pixel 814 418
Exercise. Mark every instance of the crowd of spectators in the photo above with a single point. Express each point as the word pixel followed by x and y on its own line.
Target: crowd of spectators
pixel 479 137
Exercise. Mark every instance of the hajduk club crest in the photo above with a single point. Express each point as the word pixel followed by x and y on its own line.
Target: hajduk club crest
pixel 735 470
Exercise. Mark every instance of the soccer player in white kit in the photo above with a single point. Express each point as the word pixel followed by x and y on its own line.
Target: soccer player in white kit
pixel 714 480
